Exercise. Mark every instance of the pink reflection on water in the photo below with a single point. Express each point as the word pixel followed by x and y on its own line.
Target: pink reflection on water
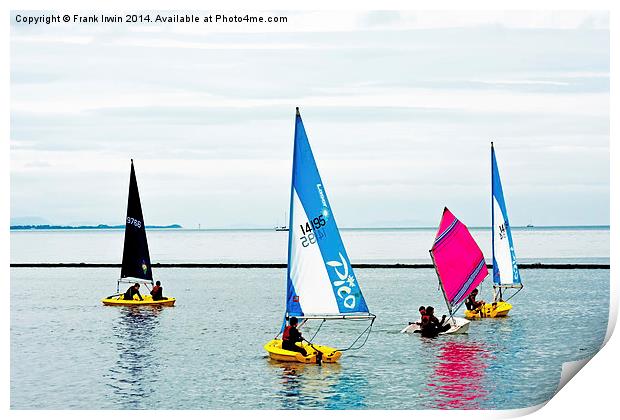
pixel 457 381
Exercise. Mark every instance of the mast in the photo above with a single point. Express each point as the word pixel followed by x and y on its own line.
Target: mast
pixel 290 222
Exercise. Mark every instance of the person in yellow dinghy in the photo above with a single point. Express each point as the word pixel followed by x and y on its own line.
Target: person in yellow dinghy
pixel 472 304
pixel 158 291
pixel 291 336
pixel 133 291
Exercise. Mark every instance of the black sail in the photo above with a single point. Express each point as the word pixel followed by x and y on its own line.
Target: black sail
pixel 136 259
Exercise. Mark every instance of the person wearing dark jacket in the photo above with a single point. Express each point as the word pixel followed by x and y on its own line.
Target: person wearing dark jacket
pixel 431 326
pixel 471 303
pixel 158 291
pixel 291 336
pixel 132 291
pixel 422 311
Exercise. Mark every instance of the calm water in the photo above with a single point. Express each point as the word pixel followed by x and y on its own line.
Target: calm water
pixel 206 353
pixel 268 246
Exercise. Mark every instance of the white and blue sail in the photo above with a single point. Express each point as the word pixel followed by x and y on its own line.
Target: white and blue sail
pixel 505 269
pixel 321 282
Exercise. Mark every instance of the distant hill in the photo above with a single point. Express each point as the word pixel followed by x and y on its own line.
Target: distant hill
pixel 51 227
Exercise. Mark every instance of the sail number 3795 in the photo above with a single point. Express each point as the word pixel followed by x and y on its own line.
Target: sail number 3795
pixel 312 232
pixel 135 222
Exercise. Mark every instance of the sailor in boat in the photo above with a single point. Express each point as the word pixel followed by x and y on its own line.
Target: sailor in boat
pixel 158 291
pixel 472 304
pixel 431 326
pixel 291 336
pixel 132 291
pixel 422 311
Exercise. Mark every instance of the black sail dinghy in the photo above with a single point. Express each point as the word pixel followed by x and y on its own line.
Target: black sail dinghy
pixel 136 266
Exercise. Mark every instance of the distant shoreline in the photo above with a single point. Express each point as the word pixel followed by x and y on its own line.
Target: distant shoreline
pixel 86 227
pixel 550 266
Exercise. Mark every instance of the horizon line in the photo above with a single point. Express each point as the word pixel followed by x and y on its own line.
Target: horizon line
pixel 177 226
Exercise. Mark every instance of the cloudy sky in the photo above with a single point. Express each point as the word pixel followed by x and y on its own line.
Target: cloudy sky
pixel 400 109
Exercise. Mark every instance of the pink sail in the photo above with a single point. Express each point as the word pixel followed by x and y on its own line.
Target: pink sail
pixel 458 259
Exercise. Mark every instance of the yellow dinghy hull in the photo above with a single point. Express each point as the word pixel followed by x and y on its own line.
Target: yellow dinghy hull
pixel 146 301
pixel 276 352
pixel 490 310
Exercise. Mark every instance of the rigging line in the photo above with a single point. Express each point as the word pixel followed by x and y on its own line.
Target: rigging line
pixel 454 311
pixel 367 332
pixel 318 329
pixel 514 294
pixel 451 313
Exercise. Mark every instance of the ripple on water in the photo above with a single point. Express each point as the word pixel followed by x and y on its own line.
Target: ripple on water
pixel 207 351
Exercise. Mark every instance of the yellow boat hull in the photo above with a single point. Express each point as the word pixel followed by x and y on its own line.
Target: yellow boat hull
pixel 146 301
pixel 490 310
pixel 276 352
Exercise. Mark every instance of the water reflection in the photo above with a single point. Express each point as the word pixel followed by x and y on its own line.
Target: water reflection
pixel 317 386
pixel 459 370
pixel 349 391
pixel 133 376
pixel 509 343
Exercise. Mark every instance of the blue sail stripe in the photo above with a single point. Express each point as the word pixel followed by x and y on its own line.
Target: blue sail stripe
pixel 446 232
pixel 468 283
pixel 496 276
pixel 291 306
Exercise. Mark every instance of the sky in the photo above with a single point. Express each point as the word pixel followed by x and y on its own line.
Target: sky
pixel 400 109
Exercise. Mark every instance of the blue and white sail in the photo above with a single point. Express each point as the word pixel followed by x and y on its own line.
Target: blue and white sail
pixel 505 269
pixel 320 280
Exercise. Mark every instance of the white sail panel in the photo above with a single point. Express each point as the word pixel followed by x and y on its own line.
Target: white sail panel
pixel 501 247
pixel 308 273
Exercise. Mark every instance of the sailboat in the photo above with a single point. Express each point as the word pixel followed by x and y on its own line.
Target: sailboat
pixel 136 266
pixel 320 281
pixel 460 268
pixel 282 228
pixel 505 269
